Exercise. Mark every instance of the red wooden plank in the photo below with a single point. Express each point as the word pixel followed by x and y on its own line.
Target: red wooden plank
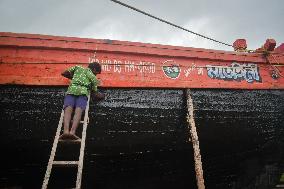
pixel 121 75
pixel 78 44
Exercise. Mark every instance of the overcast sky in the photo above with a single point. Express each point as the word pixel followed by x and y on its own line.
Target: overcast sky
pixel 224 20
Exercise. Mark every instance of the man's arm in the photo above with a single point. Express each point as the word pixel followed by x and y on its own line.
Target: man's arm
pixel 67 74
pixel 94 83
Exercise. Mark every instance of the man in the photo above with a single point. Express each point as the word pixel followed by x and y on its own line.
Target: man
pixel 83 80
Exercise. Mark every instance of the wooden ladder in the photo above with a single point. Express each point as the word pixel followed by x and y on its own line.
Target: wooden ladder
pixel 79 163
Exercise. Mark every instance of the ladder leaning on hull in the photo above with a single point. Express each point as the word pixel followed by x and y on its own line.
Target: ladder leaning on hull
pixel 78 163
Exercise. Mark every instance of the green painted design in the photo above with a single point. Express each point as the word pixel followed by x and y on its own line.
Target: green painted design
pixel 172 71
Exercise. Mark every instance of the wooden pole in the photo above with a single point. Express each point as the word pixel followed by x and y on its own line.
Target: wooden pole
pixel 195 142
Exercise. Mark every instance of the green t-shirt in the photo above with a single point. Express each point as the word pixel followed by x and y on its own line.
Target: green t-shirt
pixel 83 80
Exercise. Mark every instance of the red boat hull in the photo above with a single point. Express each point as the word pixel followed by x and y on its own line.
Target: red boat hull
pixel 38 60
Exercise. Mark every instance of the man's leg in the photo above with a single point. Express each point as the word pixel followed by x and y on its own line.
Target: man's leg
pixel 67 118
pixel 69 102
pixel 76 121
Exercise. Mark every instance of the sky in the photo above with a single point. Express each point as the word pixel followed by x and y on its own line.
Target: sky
pixel 223 20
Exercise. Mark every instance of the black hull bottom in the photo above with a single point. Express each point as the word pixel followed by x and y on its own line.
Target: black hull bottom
pixel 139 138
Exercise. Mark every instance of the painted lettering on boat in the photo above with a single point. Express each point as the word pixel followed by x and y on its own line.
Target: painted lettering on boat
pixel 127 66
pixel 248 72
pixel 193 68
pixel 237 72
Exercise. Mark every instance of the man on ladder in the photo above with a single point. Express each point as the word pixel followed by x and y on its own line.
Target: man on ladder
pixel 83 80
pixel 77 97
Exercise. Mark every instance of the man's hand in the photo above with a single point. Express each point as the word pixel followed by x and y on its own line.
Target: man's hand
pixel 97 96
pixel 67 74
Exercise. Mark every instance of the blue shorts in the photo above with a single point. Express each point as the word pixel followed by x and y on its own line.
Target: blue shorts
pixel 75 101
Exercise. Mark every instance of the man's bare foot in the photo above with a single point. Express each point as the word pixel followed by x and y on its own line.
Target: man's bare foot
pixel 64 136
pixel 74 137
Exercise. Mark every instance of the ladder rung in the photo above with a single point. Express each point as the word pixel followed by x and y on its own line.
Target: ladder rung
pixel 78 141
pixel 65 163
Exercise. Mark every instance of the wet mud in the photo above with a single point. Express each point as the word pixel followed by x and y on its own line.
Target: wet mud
pixel 138 138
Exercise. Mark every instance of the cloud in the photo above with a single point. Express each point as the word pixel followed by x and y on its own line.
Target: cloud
pixel 224 20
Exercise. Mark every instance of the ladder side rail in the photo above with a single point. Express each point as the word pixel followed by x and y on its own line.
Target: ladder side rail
pixel 82 148
pixel 53 151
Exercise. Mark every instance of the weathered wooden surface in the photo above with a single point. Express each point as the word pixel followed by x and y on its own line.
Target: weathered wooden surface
pixel 39 60
pixel 139 138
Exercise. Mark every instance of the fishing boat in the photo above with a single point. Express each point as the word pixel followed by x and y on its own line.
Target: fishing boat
pixel 139 136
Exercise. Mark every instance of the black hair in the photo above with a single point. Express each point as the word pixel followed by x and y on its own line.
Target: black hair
pixel 96 66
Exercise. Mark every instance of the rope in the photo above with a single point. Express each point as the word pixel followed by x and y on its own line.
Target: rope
pixel 195 142
pixel 169 23
pixel 274 67
pixel 266 54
